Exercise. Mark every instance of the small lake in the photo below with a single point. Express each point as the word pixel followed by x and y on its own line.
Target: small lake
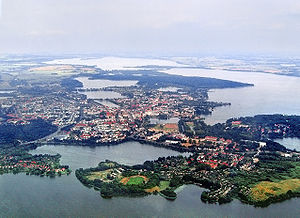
pixel 271 93
pixel 101 83
pixel 291 143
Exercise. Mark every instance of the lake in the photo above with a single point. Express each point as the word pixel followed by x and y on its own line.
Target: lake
pixel 82 156
pixel 291 143
pixel 100 84
pixel 270 93
pixel 33 196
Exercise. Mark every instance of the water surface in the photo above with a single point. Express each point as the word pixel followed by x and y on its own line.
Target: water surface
pixel 102 83
pixel 270 94
pixel 128 153
pixel 291 143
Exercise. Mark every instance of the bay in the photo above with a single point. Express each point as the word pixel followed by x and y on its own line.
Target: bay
pixel 270 94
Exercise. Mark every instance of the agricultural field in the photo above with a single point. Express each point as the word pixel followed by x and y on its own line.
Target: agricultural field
pixel 59 70
pixel 263 190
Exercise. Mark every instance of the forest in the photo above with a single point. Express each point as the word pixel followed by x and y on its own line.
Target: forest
pixel 36 129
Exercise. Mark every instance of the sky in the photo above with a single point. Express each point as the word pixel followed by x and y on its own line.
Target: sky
pixel 150 27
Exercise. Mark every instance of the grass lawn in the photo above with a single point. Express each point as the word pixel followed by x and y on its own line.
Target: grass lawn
pixel 264 190
pixel 163 185
pixel 135 180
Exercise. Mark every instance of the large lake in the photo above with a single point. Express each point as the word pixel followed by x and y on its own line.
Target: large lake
pixel 270 94
pixel 33 196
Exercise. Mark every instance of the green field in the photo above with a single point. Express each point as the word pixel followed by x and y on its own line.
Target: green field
pixel 163 185
pixel 135 181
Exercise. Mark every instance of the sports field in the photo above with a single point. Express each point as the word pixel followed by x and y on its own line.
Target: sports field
pixel 134 180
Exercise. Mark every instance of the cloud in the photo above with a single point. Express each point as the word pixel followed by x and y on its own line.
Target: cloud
pixel 0 9
pixel 153 26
